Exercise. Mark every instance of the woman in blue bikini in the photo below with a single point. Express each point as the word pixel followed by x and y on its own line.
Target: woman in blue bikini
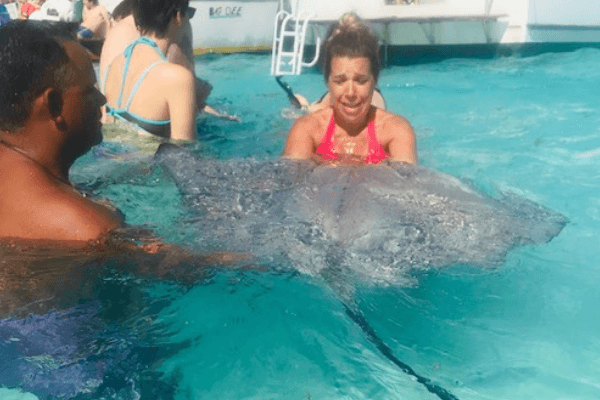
pixel 142 86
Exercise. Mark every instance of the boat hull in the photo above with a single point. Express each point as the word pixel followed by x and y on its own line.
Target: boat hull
pixel 233 26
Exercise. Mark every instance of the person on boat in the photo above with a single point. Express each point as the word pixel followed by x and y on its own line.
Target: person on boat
pixel 96 20
pixel 29 7
pixel 4 15
pixel 142 86
pixel 350 129
pixel 49 116
pixel 56 10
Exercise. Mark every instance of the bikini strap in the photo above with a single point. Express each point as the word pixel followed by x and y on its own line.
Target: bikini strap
pixel 371 132
pixel 139 82
pixel 375 151
pixel 326 147
pixel 330 129
pixel 127 54
pixel 143 40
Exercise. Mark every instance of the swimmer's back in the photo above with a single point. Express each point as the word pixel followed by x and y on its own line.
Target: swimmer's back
pixel 152 88
pixel 117 39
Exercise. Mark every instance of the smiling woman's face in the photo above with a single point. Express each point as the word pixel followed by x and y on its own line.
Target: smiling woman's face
pixel 351 85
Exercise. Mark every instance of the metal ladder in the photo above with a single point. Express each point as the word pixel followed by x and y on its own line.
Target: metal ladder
pixel 287 57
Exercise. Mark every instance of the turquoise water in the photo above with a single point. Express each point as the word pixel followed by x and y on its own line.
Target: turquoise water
pixel 529 329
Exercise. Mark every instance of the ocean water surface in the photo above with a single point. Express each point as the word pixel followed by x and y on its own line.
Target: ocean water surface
pixel 528 328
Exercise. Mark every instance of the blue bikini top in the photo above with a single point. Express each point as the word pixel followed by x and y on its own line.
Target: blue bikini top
pixel 160 128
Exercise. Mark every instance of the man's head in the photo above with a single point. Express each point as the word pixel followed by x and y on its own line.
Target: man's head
pixel 89 4
pixel 156 15
pixel 123 10
pixel 31 59
pixel 47 79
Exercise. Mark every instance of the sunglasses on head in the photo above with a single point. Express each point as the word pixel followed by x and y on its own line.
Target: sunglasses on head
pixel 189 12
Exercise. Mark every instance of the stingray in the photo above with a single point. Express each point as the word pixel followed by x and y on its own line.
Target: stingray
pixel 372 222
pixel 376 221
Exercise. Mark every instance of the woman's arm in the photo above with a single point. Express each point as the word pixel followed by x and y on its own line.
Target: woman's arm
pixel 403 143
pixel 181 100
pixel 300 144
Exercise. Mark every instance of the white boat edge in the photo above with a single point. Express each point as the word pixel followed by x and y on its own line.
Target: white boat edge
pixel 428 25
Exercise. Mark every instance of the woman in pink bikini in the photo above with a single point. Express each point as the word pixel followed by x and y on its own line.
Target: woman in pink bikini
pixel 351 130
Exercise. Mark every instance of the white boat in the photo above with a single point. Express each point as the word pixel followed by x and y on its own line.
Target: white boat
pixel 233 26
pixel 455 27
pixel 229 26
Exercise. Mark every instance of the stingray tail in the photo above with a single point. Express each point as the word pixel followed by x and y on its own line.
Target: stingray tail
pixel 360 320
pixel 290 93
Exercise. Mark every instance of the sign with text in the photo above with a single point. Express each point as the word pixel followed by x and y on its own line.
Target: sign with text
pixel 225 12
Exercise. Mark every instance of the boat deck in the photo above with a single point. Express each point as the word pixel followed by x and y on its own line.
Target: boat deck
pixel 424 19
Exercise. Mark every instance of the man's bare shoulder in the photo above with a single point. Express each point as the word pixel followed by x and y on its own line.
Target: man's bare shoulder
pixel 79 218
pixel 46 209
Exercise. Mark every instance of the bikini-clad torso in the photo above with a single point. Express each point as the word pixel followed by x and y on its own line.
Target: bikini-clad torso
pixel 128 95
pixel 333 148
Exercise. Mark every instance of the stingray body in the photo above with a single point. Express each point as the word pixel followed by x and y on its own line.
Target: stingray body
pixel 377 221
pixel 374 222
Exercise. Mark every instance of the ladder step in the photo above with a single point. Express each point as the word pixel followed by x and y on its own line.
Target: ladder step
pixel 289 34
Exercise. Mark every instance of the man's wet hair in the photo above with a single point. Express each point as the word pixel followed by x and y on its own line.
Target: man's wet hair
pixel 155 15
pixel 350 37
pixel 31 60
pixel 123 10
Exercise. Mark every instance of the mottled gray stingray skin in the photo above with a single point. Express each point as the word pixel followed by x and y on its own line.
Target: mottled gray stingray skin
pixel 378 221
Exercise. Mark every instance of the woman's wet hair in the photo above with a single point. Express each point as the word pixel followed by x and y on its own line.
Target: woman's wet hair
pixel 155 15
pixel 350 37
pixel 31 60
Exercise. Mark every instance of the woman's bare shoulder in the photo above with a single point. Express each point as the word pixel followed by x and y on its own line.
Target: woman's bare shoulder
pixel 174 73
pixel 390 118
pixel 391 124
pixel 396 134
pixel 314 122
pixel 305 134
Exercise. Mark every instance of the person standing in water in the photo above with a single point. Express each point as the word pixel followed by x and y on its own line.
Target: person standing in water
pixel 125 31
pixel 142 86
pixel 350 129
pixel 49 116
pixel 96 20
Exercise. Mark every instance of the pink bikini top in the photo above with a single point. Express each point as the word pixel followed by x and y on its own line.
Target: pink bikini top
pixel 375 151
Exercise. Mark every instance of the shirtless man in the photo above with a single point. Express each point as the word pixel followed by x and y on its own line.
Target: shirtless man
pixel 96 20
pixel 49 116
